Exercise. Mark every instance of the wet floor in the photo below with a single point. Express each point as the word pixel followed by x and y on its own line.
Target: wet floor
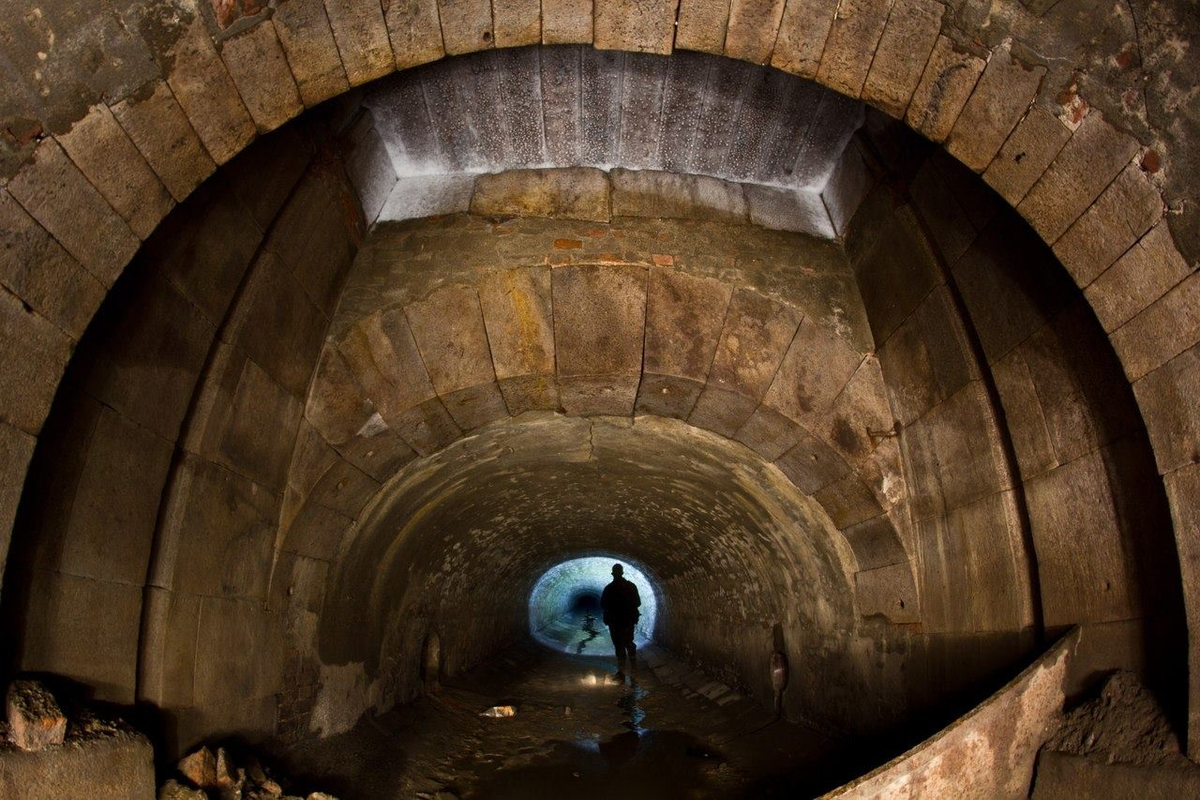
pixel 576 733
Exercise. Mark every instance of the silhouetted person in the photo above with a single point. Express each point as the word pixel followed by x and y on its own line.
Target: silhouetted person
pixel 620 602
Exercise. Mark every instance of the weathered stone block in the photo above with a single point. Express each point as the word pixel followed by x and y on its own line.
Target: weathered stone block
pixel 384 356
pixel 16 449
pixel 450 334
pixel 566 21
pixel 57 195
pixel 667 395
pixel 1080 544
pixel 82 629
pixel 260 71
pixel 519 320
pixel 466 25
pixel 875 544
pixel 106 528
pixel 277 324
pixel 769 433
pixel 474 406
pixel 754 340
pixel 35 720
pixel 110 160
pixel 168 648
pixel 1010 284
pixel 307 39
pixel 947 221
pixel 848 501
pixel 244 419
pixel 222 527
pixel 908 372
pixel 316 532
pixel 816 367
pixel 1141 276
pixel 650 30
pixel 1167 400
pixel 1167 327
pixel 684 318
pixel 207 94
pixel 35 353
pixel 599 318
pixel 146 365
pixel 860 416
pixel 157 125
pixel 598 395
pixel 369 167
pixel 530 393
pixel 812 465
pixel 228 630
pixel 36 268
pixel 572 193
pixel 1003 95
pixel 945 86
pixel 702 25
pixel 753 26
pixel 362 39
pixel 517 22
pixel 1030 148
pixel 1121 214
pixel 904 47
pixel 1023 413
pixel 415 31
pixel 896 272
pixel 205 253
pixel 1094 155
pixel 721 411
pixel 664 195
pixel 120 767
pixel 848 185
pixel 1079 384
pixel 803 29
pixel 787 210
pixel 336 406
pixel 888 591
pixel 966 446
pixel 852 40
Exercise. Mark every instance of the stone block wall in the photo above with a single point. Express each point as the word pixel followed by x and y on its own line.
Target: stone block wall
pixel 984 332
pixel 149 527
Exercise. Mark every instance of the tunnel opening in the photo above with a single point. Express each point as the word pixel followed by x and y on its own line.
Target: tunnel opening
pixel 564 606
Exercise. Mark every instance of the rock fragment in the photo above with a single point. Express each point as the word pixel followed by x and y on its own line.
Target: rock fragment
pixel 34 719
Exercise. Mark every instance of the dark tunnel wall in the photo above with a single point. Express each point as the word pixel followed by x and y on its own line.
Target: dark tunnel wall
pixel 147 531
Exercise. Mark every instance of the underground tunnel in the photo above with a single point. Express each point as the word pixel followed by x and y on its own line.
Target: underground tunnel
pixel 348 347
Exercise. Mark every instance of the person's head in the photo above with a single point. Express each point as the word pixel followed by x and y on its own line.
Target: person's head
pixel 618 571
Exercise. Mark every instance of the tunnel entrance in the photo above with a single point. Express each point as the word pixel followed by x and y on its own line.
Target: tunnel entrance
pixel 564 606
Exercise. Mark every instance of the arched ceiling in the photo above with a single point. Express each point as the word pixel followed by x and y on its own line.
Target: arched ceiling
pixel 470 529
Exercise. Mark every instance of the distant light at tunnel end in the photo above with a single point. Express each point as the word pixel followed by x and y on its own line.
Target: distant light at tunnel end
pixel 551 597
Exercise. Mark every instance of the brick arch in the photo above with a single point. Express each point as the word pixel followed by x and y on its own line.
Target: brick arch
pixel 88 195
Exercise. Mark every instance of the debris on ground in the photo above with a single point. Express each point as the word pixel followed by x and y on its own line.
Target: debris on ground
pixel 35 720
pixel 1124 724
pixel 500 711
pixel 209 775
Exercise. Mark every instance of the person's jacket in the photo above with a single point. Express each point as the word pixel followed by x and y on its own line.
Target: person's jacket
pixel 620 602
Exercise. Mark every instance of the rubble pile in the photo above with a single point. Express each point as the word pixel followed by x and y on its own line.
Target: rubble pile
pixel 205 775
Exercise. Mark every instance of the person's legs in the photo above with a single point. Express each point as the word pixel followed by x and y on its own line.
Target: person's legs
pixel 616 632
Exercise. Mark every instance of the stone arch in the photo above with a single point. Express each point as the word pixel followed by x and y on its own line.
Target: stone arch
pixel 1074 177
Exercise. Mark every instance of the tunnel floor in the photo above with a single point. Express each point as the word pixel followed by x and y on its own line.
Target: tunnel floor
pixel 576 733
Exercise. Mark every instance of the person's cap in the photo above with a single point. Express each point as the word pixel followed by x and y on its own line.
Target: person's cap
pixel 618 569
